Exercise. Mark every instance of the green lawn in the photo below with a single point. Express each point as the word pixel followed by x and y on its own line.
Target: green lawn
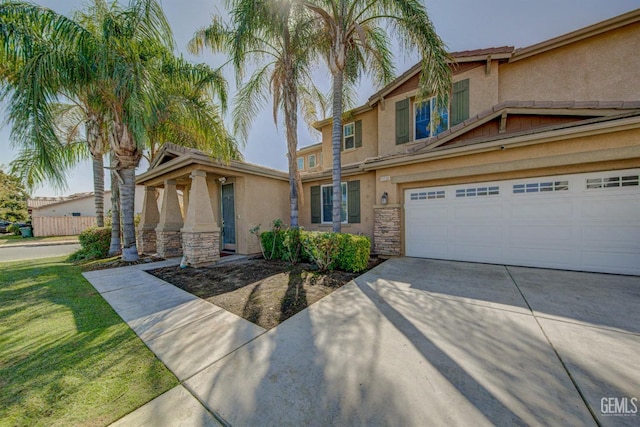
pixel 66 358
pixel 9 239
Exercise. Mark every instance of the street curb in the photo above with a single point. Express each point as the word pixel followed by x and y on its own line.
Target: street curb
pixel 28 245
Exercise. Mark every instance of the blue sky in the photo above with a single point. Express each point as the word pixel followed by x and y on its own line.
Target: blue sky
pixel 462 24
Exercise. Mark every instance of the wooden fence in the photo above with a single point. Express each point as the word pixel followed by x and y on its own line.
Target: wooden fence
pixel 61 225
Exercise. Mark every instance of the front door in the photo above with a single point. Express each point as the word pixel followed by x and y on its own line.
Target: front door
pixel 228 218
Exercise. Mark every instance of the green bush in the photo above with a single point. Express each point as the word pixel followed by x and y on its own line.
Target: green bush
pixel 354 252
pixel 327 250
pixel 14 229
pixel 94 244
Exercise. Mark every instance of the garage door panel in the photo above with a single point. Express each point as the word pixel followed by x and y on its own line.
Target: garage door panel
pixel 611 209
pixel 541 236
pixel 477 211
pixel 562 222
pixel 536 209
pixel 611 237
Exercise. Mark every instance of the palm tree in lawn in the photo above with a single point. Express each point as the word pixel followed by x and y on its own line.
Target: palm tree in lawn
pixel 356 42
pixel 275 35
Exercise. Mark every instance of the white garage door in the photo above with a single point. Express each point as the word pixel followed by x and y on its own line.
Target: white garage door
pixel 588 222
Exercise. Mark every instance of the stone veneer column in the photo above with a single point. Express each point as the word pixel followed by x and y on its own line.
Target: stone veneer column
pixel 168 230
pixel 200 234
pixel 386 229
pixel 148 222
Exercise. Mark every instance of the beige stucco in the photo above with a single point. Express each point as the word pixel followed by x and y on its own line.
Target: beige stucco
pixel 517 162
pixel 367 201
pixel 356 155
pixel 599 68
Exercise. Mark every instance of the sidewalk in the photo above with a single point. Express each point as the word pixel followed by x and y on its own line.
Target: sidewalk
pixel 185 332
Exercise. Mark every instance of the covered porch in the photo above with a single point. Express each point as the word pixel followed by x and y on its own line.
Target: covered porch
pixel 196 207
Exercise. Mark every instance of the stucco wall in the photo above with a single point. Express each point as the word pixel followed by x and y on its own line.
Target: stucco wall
pixel 367 200
pixel 319 160
pixel 600 68
pixel 356 155
pixel 259 201
pixel 528 158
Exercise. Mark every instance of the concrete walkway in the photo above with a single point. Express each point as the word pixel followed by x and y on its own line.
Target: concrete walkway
pixel 412 342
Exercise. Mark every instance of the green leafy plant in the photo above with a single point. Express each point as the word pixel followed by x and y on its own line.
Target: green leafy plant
pixel 355 252
pixel 94 244
pixel 14 229
pixel 322 248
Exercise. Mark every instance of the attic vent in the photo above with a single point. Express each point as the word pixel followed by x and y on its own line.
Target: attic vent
pixel 540 187
pixel 613 182
pixel 478 191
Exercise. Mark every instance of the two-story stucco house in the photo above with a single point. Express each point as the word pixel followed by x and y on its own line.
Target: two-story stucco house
pixel 535 162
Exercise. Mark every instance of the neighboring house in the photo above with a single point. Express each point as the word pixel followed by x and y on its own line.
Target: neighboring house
pixel 535 162
pixel 82 204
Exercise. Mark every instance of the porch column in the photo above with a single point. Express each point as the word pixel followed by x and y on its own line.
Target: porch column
pixel 168 230
pixel 148 221
pixel 200 234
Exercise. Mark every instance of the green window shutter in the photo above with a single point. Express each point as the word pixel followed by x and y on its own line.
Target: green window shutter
pixel 402 121
pixel 460 102
pixel 353 202
pixel 358 135
pixel 315 205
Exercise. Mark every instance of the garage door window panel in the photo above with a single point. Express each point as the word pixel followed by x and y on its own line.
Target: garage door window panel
pixel 613 182
pixel 540 187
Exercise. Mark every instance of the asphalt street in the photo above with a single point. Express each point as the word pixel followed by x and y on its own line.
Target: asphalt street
pixel 19 253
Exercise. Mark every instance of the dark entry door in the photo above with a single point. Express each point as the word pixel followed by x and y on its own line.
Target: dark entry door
pixel 228 218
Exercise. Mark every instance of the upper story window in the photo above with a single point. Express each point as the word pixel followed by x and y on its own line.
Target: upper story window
pixel 312 161
pixel 430 119
pixel 300 163
pixel 349 136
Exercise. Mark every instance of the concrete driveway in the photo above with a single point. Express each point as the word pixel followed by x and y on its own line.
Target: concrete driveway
pixel 425 342
pixel 411 342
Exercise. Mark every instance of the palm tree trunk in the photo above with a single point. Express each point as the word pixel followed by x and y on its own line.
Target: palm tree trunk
pixel 116 246
pixel 336 142
pixel 98 188
pixel 127 208
pixel 291 120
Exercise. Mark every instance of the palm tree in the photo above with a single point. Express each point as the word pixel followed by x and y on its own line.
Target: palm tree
pixel 275 34
pixel 356 43
pixel 120 55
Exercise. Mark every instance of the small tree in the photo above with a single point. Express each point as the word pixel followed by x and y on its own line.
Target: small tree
pixel 13 198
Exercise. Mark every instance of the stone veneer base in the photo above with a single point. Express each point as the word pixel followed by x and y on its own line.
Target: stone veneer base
pixel 168 244
pixel 201 248
pixel 386 231
pixel 147 241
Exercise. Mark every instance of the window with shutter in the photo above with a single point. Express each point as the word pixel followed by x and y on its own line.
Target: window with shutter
pixel 402 121
pixel 315 205
pixel 460 102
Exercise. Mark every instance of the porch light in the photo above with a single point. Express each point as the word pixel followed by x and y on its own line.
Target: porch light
pixel 384 199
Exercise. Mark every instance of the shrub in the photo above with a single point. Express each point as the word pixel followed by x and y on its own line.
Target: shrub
pixel 354 252
pixel 94 244
pixel 322 248
pixel 14 229
pixel 327 250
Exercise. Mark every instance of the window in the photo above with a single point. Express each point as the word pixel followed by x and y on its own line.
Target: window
pixel 327 203
pixel 322 203
pixel 312 161
pixel 613 182
pixel 300 163
pixel 428 195
pixel 349 136
pixel 430 120
pixel 478 191
pixel 540 187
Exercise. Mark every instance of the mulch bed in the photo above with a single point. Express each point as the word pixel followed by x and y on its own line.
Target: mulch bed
pixel 263 292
